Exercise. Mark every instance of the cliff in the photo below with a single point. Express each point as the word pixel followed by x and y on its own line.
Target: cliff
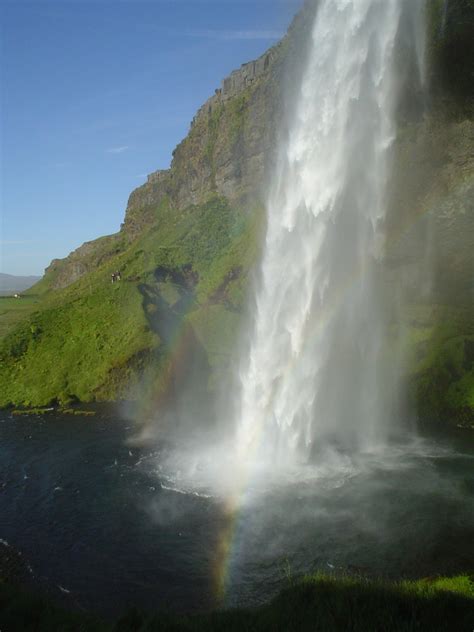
pixel 228 152
pixel 191 236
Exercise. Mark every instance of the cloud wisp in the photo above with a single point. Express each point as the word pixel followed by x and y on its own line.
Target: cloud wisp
pixel 15 242
pixel 117 150
pixel 229 35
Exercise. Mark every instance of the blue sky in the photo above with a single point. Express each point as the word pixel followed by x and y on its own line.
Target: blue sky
pixel 95 94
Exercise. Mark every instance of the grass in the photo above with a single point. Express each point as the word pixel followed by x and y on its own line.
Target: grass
pixel 314 603
pixel 66 352
pixel 92 340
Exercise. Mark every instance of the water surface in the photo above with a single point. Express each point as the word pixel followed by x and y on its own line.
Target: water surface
pixel 102 526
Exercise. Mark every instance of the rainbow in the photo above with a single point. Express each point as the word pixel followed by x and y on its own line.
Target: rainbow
pixel 229 540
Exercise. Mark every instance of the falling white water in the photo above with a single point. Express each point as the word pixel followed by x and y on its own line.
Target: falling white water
pixel 318 373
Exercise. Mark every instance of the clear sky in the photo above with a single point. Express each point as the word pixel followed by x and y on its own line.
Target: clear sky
pixel 95 94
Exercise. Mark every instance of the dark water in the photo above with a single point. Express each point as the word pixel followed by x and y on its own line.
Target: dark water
pixel 100 528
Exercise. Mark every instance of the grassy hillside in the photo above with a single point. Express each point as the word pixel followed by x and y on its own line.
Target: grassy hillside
pixel 184 279
pixel 316 603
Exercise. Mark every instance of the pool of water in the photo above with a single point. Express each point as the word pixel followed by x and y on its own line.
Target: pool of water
pixel 103 524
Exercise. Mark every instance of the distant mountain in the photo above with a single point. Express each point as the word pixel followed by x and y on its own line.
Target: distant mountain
pixel 10 284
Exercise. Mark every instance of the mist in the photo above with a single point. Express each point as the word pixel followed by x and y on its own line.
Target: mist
pixel 317 373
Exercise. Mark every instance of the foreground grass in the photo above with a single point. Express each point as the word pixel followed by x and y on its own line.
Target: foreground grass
pixel 314 603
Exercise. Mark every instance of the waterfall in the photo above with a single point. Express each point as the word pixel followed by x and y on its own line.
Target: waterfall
pixel 318 371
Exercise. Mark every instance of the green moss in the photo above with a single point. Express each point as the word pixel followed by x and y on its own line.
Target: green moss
pixel 460 394
pixel 441 363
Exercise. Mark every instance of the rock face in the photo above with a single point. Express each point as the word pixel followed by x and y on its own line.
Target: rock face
pixel 64 272
pixel 228 150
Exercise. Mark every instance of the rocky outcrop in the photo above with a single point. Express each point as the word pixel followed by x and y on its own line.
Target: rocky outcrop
pixel 228 151
pixel 144 201
pixel 85 259
pixel 232 139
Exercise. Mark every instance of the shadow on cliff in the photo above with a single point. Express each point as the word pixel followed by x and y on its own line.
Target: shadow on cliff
pixel 175 392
